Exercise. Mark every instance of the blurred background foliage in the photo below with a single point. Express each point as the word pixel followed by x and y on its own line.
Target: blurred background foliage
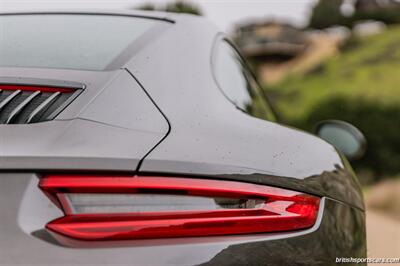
pixel 358 84
pixel 178 6
pixel 328 13
pixel 344 65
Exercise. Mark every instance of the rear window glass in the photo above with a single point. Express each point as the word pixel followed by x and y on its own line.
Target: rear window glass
pixel 74 41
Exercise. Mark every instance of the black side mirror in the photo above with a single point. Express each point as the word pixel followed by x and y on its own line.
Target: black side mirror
pixel 344 136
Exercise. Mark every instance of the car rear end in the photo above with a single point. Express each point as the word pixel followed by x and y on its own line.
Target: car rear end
pixel 79 184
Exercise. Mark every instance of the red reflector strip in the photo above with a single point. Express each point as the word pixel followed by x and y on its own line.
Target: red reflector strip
pixel 34 88
pixel 281 210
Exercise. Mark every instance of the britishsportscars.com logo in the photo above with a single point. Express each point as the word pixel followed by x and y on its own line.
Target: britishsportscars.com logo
pixel 367 260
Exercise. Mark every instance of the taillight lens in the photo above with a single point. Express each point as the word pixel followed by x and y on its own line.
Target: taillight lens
pixel 127 207
pixel 10 87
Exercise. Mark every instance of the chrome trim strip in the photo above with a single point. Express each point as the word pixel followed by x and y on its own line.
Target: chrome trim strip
pixel 41 82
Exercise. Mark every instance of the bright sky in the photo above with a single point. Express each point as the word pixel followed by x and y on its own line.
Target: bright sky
pixel 224 13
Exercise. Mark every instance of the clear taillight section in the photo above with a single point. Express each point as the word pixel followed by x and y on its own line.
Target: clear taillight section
pixel 126 207
pixel 81 203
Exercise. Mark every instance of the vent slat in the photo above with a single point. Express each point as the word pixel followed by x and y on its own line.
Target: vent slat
pixel 21 106
pixel 42 107
pixel 22 103
pixel 9 98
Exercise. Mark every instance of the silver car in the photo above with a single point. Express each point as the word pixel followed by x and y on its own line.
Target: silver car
pixel 140 138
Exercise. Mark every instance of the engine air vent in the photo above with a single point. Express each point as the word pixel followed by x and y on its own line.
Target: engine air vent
pixel 25 104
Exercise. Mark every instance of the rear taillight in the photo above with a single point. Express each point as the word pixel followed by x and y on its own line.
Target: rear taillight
pixel 110 208
pixel 9 87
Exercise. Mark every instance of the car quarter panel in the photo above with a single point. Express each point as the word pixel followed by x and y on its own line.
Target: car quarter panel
pixel 209 136
pixel 110 126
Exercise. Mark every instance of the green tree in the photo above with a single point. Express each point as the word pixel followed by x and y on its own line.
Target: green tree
pixel 386 15
pixel 178 6
pixel 146 6
pixel 183 7
pixel 327 13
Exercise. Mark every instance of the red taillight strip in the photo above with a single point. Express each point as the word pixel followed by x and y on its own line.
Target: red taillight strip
pixel 123 184
pixel 34 88
pixel 114 228
pixel 283 209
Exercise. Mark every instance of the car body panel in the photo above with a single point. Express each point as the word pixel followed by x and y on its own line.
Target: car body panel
pixel 211 136
pixel 112 125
